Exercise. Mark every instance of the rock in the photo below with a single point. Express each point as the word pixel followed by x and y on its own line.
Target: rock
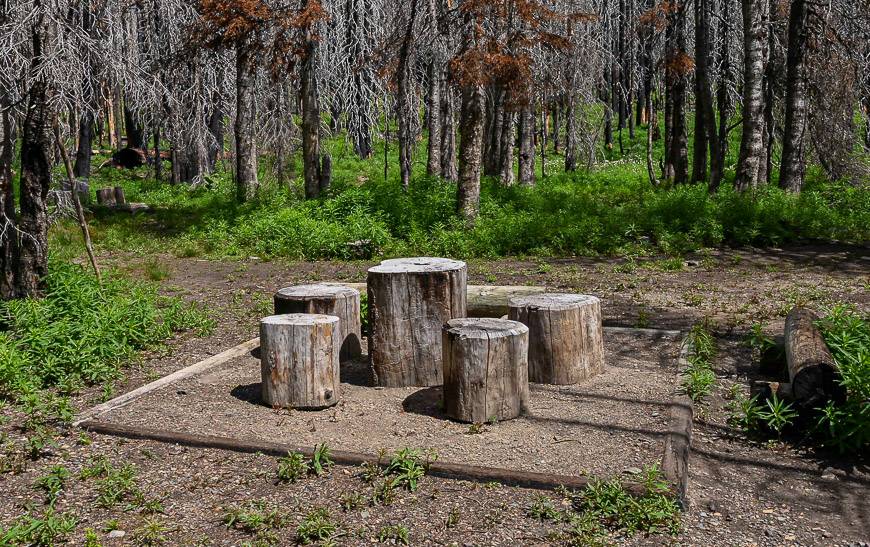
pixel 117 534
pixel 632 470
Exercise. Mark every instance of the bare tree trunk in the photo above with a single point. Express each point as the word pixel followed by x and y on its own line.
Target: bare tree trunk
pixel 133 129
pixel 449 167
pixel 82 168
pixel 406 104
pixel 433 161
pixel 8 241
pixel 755 15
pixel 470 153
pixel 506 156
pixel 676 140
pixel 311 162
pixel 723 98
pixel 571 133
pixel 527 146
pixel 246 145
pixel 704 99
pixel 792 166
pixel 31 263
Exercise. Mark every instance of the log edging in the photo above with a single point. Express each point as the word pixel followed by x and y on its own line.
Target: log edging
pixel 442 469
pixel 678 440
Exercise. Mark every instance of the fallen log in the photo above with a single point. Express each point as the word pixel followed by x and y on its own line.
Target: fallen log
pixel 812 371
pixel 481 300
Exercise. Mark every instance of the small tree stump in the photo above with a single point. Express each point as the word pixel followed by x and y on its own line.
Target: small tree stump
pixel 409 300
pixel 342 302
pixel 120 199
pixel 566 344
pixel 812 371
pixel 299 360
pixel 106 197
pixel 485 369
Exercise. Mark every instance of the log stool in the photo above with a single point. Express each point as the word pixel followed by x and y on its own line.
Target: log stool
pixel 342 302
pixel 566 344
pixel 299 360
pixel 485 369
pixel 409 300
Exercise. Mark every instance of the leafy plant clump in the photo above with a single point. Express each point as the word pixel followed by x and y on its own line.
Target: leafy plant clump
pixel 292 467
pixel 81 333
pixel 844 426
pixel 699 377
pixel 317 526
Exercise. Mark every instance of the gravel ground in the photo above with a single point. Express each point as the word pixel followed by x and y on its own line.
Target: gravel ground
pixel 741 492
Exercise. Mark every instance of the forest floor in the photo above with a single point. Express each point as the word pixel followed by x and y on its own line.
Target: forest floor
pixel 741 492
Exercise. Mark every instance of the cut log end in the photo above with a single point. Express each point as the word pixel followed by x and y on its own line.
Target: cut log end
pixel 812 371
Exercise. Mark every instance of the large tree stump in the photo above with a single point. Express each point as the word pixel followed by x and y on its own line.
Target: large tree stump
pixel 566 344
pixel 812 371
pixel 485 369
pixel 336 300
pixel 299 360
pixel 409 300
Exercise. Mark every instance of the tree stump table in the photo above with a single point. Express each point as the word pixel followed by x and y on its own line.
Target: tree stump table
pixel 409 300
pixel 342 302
pixel 299 360
pixel 485 369
pixel 566 344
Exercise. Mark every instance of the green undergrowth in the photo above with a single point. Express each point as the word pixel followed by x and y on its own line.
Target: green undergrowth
pixel 611 210
pixel 698 377
pixel 841 426
pixel 81 333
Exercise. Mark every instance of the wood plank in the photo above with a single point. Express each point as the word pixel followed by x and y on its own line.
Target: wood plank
pixel 192 370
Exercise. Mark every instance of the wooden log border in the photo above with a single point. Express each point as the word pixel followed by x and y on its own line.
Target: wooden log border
pixel 678 441
pixel 457 471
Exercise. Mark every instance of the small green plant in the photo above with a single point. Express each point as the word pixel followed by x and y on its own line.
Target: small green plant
pixel 543 508
pixel 453 518
pixel 91 538
pixel 316 526
pixel 49 528
pixel 370 472
pixel 155 270
pixel 150 532
pixel 321 462
pixel 384 493
pixel 407 468
pixel 698 377
pixel 778 414
pixel 397 535
pixel 351 500
pixel 53 483
pixel 476 428
pixel 256 518
pixel 292 467
pixel 757 340
pixel 117 485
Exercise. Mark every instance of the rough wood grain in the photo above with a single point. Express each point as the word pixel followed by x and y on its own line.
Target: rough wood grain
pixel 812 371
pixel 342 302
pixel 485 369
pixel 299 360
pixel 106 196
pixel 409 299
pixel 481 300
pixel 566 344
pixel 675 461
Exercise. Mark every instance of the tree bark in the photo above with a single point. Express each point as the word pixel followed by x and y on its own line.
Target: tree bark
pixel 406 104
pixel 336 300
pixel 449 166
pixel 470 153
pixel 755 16
pixel 133 129
pixel 506 157
pixel 310 117
pixel 792 165
pixel 676 140
pixel 812 371
pixel 8 241
pixel 527 146
pixel 299 360
pixel 485 369
pixel 82 167
pixel 433 160
pixel 409 299
pixel 246 145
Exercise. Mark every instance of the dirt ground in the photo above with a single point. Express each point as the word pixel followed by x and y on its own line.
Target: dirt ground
pixel 613 422
pixel 741 492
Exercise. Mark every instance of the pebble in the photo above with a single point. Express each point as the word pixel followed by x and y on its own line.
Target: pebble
pixel 632 470
pixel 117 534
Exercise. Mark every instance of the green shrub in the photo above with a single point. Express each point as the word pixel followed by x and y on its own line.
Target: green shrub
pixel 81 333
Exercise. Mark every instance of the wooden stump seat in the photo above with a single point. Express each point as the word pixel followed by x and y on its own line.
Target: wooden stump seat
pixel 409 300
pixel 485 369
pixel 342 302
pixel 566 343
pixel 299 360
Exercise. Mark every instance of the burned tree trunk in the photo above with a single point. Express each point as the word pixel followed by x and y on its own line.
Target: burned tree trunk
pixel 792 166
pixel 812 371
pixel 755 15
pixel 406 104
pixel 506 156
pixel 676 66
pixel 470 153
pixel 246 144
pixel 310 118
pixel 527 146
pixel 433 107
pixel 449 166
